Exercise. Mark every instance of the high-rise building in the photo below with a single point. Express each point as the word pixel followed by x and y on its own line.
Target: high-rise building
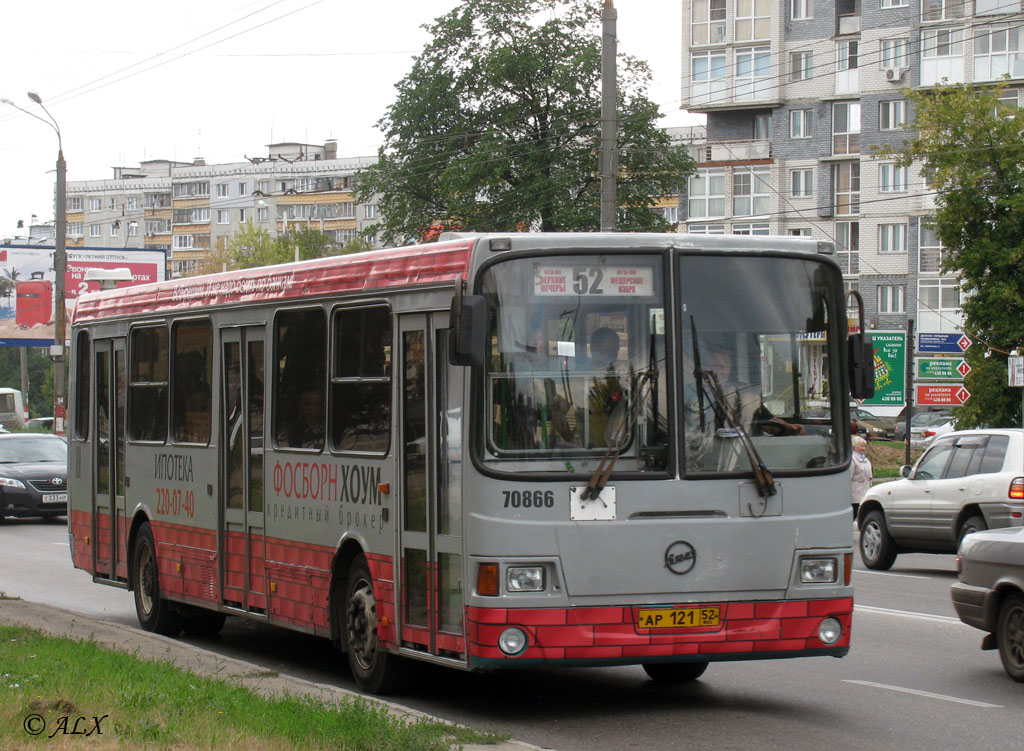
pixel 799 94
pixel 193 208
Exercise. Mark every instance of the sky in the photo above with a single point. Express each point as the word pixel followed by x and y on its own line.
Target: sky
pixel 130 81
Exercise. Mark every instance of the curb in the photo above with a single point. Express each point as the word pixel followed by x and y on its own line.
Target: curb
pixel 145 645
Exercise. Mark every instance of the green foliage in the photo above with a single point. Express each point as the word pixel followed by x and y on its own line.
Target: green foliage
pixel 40 377
pixel 972 148
pixel 254 246
pixel 497 125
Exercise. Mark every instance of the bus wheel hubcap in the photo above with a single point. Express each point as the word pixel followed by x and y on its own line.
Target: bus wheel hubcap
pixel 362 625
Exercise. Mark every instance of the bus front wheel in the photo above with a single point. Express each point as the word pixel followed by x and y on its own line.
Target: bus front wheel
pixel 155 613
pixel 674 672
pixel 374 669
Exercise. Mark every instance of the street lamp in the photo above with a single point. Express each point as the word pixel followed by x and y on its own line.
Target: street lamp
pixel 60 265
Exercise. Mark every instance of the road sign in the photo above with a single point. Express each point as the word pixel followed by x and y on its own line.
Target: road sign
pixel 941 368
pixel 890 356
pixel 946 395
pixel 953 344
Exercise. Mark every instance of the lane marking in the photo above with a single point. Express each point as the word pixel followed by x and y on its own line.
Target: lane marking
pixel 889 573
pixel 909 614
pixel 926 694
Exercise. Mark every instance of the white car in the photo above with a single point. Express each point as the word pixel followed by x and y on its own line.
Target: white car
pixel 927 421
pixel 967 480
pixel 933 431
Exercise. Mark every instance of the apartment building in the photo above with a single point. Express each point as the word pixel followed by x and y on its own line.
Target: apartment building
pixel 191 209
pixel 798 96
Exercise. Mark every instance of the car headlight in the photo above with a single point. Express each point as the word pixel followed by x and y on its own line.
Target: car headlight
pixel 10 482
pixel 525 579
pixel 818 570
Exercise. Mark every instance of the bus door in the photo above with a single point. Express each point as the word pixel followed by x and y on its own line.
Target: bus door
pixel 243 581
pixel 431 510
pixel 108 498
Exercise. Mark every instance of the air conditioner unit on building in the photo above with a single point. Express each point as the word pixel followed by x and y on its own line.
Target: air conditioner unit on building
pixel 895 74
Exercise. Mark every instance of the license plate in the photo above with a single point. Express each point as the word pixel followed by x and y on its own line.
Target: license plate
pixel 678 618
pixel 49 498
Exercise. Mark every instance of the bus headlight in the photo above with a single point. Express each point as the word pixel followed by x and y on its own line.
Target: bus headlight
pixel 818 570
pixel 512 641
pixel 525 579
pixel 830 630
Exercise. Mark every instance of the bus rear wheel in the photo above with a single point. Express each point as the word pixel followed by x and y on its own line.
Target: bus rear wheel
pixel 155 613
pixel 374 669
pixel 674 672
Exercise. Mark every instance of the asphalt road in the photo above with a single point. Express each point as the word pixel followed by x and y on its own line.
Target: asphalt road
pixel 914 679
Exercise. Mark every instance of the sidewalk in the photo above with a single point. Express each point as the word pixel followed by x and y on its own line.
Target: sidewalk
pixel 54 621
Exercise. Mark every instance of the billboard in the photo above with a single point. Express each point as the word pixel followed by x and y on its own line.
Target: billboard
pixel 890 366
pixel 28 289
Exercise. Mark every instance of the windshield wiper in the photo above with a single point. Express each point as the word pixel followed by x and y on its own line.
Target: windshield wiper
pixel 762 475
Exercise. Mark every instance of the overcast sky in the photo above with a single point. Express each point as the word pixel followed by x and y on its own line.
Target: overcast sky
pixel 129 81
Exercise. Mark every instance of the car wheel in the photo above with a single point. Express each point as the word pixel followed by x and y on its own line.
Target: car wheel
pixel 877 549
pixel 1010 636
pixel 374 669
pixel 674 672
pixel 973 524
pixel 155 613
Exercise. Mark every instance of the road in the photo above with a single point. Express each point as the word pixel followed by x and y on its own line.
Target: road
pixel 915 677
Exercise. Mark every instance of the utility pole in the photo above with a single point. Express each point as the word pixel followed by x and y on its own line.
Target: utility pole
pixel 609 157
pixel 910 387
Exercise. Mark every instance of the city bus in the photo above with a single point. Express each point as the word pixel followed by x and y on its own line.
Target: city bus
pixel 422 453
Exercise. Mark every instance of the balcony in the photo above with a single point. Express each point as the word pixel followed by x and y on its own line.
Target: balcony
pixel 848 24
pixel 731 151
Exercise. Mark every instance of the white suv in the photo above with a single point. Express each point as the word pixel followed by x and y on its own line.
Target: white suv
pixel 967 480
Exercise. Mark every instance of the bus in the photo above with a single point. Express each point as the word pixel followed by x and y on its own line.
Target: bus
pixel 493 451
pixel 12 409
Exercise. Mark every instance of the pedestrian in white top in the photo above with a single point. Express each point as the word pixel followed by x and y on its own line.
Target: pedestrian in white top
pixel 860 472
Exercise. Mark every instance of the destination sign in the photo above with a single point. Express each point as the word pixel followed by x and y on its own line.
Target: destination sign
pixel 593 281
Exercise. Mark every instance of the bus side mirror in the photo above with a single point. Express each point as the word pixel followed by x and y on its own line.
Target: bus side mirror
pixel 862 366
pixel 467 339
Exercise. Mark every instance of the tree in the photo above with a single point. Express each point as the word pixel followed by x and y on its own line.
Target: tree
pixel 253 246
pixel 40 377
pixel 971 147
pixel 496 128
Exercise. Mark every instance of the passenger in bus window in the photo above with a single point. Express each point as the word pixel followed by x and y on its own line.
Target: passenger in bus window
pixel 539 416
pixel 743 405
pixel 306 429
pixel 606 400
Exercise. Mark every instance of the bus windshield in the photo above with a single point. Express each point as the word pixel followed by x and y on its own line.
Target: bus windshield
pixel 755 336
pixel 576 365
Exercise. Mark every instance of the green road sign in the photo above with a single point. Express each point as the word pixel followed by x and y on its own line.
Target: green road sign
pixel 890 366
pixel 941 368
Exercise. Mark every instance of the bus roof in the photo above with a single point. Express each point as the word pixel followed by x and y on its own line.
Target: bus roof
pixel 378 269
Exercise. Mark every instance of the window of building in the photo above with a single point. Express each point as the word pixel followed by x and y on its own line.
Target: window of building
pixel 892 178
pixel 304 184
pixel 300 367
pixel 347 210
pixel 998 52
pixel 115 228
pixel 847 50
pixel 370 211
pixel 996 7
pixel 243 188
pixel 707 76
pixel 846 187
pixel 846 128
pixel 669 213
pixel 74 203
pixel 847 236
pixel 753 73
pixel 892 238
pixel 929 249
pixel 243 216
pixel 801 182
pixel 95 204
pixel 222 190
pixel 939 295
pixel 707 22
pixel 147 386
pixel 895 53
pixel 892 115
pixel 891 298
pixel 894 3
pixel 343 236
pixel 763 126
pixel 750 191
pixel 801 123
pixel 803 9
pixel 95 230
pixel 760 228
pixel 112 204
pixel 75 229
pixel 753 20
pixel 262 214
pixel 706 194
pixel 800 232
pixel 133 229
pixel 942 43
pixel 1007 103
pixel 262 186
pixel 223 216
pixel 801 65
pixel 191 376
pixel 184 242
pixel 943 10
pixel 361 380
pixel 707 229
pixel 131 203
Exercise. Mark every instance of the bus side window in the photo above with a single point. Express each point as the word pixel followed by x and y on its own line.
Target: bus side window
pixel 192 369
pixel 147 389
pixel 361 380
pixel 82 385
pixel 300 417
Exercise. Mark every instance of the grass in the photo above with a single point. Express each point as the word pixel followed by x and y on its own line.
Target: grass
pixel 154 705
pixel 887 457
